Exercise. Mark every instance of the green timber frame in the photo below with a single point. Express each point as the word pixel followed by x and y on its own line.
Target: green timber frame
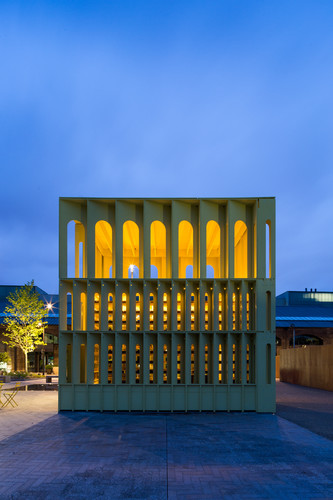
pixel 167 304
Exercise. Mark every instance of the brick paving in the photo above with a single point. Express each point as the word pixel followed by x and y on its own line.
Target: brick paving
pixel 46 455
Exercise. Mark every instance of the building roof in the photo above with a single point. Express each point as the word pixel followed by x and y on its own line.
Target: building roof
pixel 308 308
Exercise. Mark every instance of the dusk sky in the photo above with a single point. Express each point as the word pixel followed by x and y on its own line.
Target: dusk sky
pixel 166 99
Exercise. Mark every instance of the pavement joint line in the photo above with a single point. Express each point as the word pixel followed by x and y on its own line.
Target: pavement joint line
pixel 165 456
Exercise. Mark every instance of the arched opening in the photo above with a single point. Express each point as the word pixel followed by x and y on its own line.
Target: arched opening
pixel 137 312
pixel 110 364
pixel 137 364
pixel 76 267
pixel 97 364
pixel 220 360
pixel 165 311
pixel 207 312
pixel 130 247
pixel 193 313
pixel 69 312
pixel 268 249
pixel 97 309
pixel 103 249
pixel 206 365
pixel 124 364
pixel 124 311
pixel 185 248
pixel 179 311
pixel 179 364
pixel 220 312
pixel 110 311
pixel 158 248
pixel 248 311
pixel 213 240
pixel 83 318
pixel 153 271
pixel 151 312
pixel 165 364
pixel 151 364
pixel 240 249
pixel 192 363
pixel 83 364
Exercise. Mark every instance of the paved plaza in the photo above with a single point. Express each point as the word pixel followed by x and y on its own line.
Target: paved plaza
pixel 46 455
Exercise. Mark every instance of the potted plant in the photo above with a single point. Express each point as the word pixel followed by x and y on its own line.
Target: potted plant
pixel 49 369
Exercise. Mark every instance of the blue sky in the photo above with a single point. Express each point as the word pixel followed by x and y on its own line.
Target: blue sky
pixel 164 99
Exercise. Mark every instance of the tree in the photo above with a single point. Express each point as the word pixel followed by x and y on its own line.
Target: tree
pixel 25 319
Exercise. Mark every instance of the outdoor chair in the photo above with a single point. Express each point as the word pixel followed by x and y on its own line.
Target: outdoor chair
pixel 10 396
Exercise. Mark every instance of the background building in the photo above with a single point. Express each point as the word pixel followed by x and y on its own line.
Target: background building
pixel 51 334
pixel 304 317
pixel 172 304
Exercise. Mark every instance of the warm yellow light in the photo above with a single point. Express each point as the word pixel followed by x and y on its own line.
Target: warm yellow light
pixel 49 306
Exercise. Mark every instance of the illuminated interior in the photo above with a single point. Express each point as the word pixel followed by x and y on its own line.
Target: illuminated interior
pixel 165 364
pixel 83 321
pixel 179 360
pixel 158 247
pixel 185 247
pixel 234 311
pixel 165 311
pixel 124 311
pixel 103 249
pixel 137 312
pixel 110 364
pixel 123 364
pixel 96 364
pixel 151 364
pixel 213 245
pixel 248 311
pixel 179 311
pixel 137 364
pixel 130 247
pixel 97 308
pixel 240 249
pixel 193 313
pixel 206 312
pixel 206 364
pixel 220 312
pixel 151 312
pixel 110 311
pixel 192 364
pixel 220 364
pixel 233 363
